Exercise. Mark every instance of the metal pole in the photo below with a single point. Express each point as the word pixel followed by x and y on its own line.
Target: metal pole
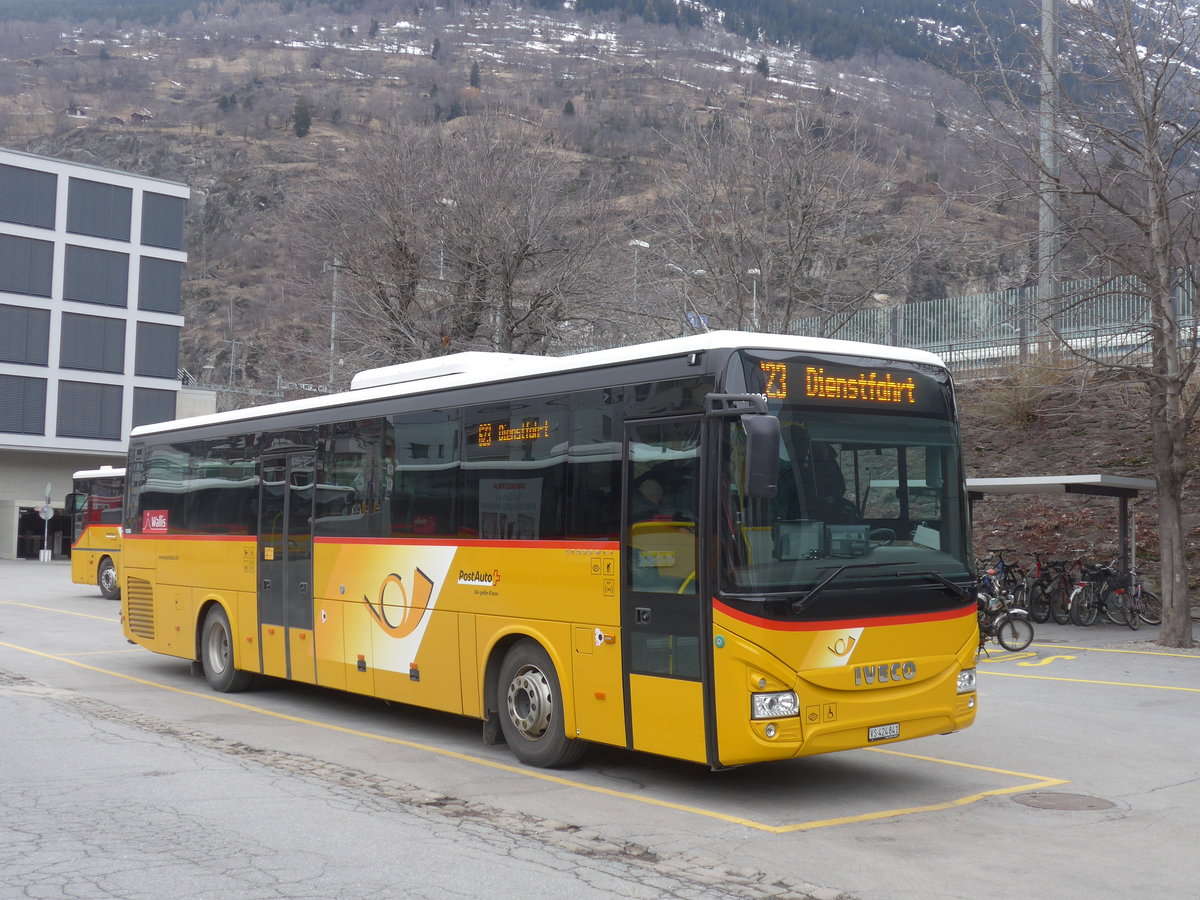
pixel 1047 200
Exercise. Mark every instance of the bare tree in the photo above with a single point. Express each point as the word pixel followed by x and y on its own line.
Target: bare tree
pixel 473 235
pixel 784 216
pixel 1118 175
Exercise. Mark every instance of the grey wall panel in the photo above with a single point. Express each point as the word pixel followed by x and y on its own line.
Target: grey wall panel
pixel 160 285
pixel 101 210
pixel 150 406
pixel 24 335
pixel 93 343
pixel 26 265
pixel 157 351
pixel 89 410
pixel 22 404
pixel 96 276
pixel 27 197
pixel 162 220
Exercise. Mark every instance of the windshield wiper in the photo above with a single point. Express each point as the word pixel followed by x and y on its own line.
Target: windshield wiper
pixel 963 593
pixel 800 602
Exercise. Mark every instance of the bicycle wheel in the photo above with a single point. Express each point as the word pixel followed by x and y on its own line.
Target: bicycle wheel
pixel 1060 604
pixel 1132 613
pixel 1039 604
pixel 1014 633
pixel 1020 597
pixel 1114 607
pixel 1084 607
pixel 1151 608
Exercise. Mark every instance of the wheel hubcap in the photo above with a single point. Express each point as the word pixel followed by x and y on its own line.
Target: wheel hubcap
pixel 218 649
pixel 530 702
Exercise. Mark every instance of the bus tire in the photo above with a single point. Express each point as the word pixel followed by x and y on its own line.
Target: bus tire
pixel 106 579
pixel 529 698
pixel 216 654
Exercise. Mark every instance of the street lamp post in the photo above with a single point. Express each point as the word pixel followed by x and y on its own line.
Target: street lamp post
pixel 636 245
pixel 754 273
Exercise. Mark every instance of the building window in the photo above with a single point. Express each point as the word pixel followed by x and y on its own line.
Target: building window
pixel 22 404
pixel 89 410
pixel 159 286
pixel 151 406
pixel 27 197
pixel 24 335
pixel 100 210
pixel 96 276
pixel 93 343
pixel 26 265
pixel 162 220
pixel 157 351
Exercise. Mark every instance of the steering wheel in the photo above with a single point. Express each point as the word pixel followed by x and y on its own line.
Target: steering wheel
pixel 883 537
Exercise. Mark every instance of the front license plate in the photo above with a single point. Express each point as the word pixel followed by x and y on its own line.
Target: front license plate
pixel 883 732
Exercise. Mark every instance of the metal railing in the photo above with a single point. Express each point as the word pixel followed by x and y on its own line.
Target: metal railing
pixel 1107 319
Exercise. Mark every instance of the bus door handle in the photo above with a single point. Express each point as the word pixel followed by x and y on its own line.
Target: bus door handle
pixel 303 588
pixel 266 585
pixel 641 615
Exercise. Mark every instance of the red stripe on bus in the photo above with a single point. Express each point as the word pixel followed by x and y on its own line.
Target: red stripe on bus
pixel 834 624
pixel 190 537
pixel 472 542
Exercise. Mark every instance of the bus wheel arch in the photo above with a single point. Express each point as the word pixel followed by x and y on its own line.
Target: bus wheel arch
pixel 524 693
pixel 106 579
pixel 215 651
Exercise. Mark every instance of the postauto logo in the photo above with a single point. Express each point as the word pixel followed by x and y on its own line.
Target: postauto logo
pixel 479 578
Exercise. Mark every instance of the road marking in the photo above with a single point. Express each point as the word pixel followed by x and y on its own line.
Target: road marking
pixel 66 612
pixel 1156 687
pixel 1030 783
pixel 1119 650
pixel 1046 661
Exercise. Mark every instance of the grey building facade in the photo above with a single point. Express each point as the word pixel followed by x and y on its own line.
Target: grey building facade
pixel 91 268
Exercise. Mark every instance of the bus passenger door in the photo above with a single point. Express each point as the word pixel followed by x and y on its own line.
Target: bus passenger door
pixel 285 571
pixel 661 621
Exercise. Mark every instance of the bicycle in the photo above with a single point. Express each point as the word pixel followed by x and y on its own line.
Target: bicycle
pixel 1055 590
pixel 1097 593
pixel 1037 590
pixel 1010 628
pixel 1002 579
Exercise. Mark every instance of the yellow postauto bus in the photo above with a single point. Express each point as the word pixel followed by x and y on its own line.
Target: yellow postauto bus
pixel 95 507
pixel 661 547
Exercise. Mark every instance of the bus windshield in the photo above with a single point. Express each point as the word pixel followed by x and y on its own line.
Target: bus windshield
pixel 869 518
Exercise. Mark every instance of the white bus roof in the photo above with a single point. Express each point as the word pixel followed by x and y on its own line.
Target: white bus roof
pixel 476 368
pixel 102 472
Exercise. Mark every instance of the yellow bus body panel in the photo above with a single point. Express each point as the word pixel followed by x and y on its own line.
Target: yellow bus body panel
pixel 849 676
pixel 95 543
pixel 668 717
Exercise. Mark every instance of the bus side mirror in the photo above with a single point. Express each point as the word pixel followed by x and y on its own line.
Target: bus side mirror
pixel 762 455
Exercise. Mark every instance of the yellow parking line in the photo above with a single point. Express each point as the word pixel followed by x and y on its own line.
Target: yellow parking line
pixel 67 612
pixel 1156 687
pixel 1034 781
pixel 1194 656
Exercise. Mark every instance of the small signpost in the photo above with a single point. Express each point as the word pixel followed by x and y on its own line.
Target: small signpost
pixel 47 513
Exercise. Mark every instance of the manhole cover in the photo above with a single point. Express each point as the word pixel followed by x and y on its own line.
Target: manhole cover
pixel 1048 800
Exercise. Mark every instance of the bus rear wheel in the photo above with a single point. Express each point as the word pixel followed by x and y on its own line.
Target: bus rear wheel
pixel 106 578
pixel 529 698
pixel 216 654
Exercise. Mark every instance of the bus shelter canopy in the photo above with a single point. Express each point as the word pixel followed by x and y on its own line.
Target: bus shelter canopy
pixel 1122 487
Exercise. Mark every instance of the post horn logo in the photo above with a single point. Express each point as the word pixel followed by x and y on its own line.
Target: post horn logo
pixel 395 603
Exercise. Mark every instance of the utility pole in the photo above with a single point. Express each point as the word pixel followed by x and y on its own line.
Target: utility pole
pixel 1047 309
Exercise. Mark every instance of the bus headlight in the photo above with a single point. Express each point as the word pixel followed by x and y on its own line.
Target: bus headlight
pixel 776 705
pixel 966 681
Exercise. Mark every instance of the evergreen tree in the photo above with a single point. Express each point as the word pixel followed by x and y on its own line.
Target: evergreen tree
pixel 474 75
pixel 568 108
pixel 763 67
pixel 301 118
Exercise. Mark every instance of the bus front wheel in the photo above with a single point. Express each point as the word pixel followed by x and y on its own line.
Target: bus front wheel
pixel 530 703
pixel 216 654
pixel 106 578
